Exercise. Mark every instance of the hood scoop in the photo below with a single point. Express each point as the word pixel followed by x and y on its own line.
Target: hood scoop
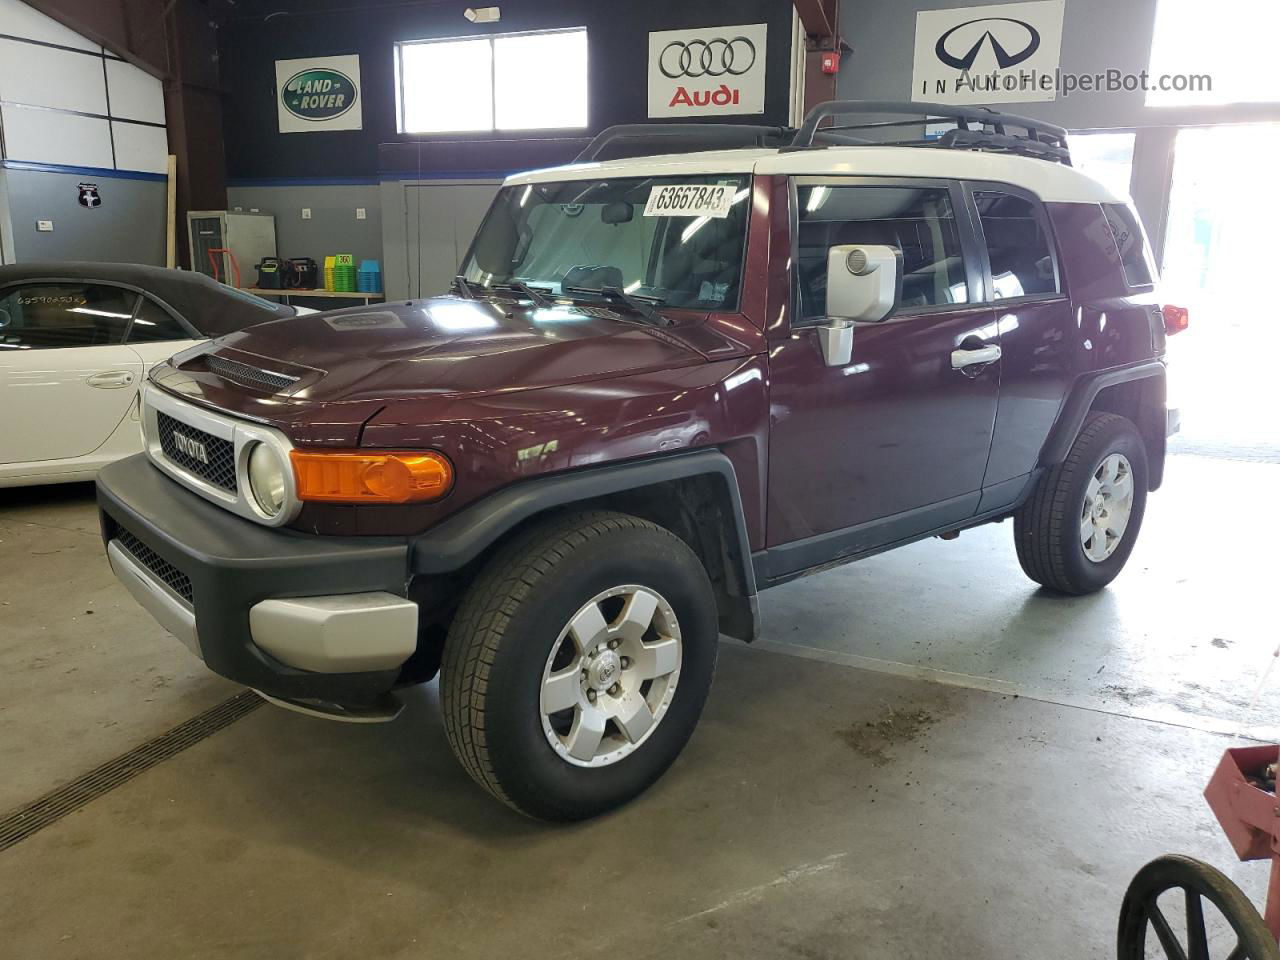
pixel 256 373
pixel 249 376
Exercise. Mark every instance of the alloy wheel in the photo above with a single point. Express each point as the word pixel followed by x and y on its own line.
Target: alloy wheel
pixel 1108 504
pixel 610 676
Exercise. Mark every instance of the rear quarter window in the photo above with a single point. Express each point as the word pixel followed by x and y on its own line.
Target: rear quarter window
pixel 1131 242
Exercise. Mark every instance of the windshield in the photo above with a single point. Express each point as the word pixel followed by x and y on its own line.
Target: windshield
pixel 676 240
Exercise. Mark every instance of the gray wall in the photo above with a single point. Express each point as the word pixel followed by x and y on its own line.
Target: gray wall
pixel 1097 35
pixel 427 228
pixel 333 227
pixel 129 226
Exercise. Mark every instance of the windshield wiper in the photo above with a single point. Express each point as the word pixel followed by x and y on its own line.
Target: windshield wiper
pixel 641 305
pixel 540 298
pixel 463 287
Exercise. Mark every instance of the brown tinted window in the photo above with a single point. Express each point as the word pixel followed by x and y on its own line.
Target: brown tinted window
pixel 1017 246
pixel 38 316
pixel 1131 243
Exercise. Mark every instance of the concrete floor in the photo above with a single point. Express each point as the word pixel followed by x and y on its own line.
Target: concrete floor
pixel 925 757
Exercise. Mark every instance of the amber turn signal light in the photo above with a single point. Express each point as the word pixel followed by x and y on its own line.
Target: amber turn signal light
pixel 364 476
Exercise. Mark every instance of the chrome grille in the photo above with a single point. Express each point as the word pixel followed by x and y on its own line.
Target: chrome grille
pixel 162 569
pixel 248 375
pixel 219 467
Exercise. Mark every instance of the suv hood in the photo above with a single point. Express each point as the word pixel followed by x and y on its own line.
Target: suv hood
pixel 445 346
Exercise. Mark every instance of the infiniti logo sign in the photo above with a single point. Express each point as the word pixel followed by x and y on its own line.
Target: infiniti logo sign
pixel 958 48
pixel 994 53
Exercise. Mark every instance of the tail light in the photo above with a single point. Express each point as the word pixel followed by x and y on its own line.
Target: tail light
pixel 1176 319
pixel 360 476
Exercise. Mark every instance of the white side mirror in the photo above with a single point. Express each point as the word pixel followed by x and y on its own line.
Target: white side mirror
pixel 864 282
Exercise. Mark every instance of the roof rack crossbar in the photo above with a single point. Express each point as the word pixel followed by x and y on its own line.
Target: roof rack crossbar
pixel 1028 137
pixel 728 135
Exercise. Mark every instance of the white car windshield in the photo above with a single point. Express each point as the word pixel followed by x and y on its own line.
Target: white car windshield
pixel 673 241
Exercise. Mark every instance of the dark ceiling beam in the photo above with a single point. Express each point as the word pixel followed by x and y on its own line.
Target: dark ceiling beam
pixel 133 29
pixel 819 18
pixel 821 22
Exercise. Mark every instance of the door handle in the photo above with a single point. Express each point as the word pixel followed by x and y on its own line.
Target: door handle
pixel 963 359
pixel 111 379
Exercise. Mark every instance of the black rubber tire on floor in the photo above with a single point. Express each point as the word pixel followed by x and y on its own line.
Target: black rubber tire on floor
pixel 502 635
pixel 1046 529
pixel 1201 882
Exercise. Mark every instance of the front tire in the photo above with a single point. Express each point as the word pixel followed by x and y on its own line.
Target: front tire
pixel 578 664
pixel 1076 531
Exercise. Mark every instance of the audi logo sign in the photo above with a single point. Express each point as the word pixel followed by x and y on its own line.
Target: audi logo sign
pixel 716 57
pixel 714 71
pixel 990 54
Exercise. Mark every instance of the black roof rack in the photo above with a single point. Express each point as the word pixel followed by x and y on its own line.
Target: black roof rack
pixel 641 139
pixel 977 128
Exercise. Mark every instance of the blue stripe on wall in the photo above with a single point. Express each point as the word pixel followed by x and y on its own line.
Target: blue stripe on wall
pixel 371 181
pixel 303 182
pixel 100 173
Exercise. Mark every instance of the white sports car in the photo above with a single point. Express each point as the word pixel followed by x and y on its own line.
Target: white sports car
pixel 76 342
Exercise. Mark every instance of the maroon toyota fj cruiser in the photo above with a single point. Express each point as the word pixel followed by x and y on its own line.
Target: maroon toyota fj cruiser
pixel 658 386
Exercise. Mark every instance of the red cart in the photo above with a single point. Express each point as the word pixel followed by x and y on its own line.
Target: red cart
pixel 1242 795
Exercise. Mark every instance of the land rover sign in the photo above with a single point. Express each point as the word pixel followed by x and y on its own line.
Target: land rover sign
pixel 321 93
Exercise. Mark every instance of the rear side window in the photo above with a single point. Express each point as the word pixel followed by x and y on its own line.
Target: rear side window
pixel 1139 269
pixel 154 323
pixel 40 316
pixel 919 222
pixel 1017 246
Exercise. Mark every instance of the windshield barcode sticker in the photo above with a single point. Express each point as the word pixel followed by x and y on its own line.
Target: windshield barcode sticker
pixel 697 200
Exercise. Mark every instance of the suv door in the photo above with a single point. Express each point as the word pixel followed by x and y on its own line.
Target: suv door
pixel 66 377
pixel 1032 314
pixel 894 443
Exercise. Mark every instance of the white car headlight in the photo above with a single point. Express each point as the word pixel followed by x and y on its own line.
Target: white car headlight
pixel 267 478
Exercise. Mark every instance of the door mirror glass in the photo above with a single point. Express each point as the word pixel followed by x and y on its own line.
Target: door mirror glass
pixel 864 282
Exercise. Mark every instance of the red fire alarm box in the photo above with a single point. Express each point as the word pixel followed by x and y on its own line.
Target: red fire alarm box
pixel 831 61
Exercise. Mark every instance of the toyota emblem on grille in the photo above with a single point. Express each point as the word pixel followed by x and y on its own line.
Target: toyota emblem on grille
pixel 707 58
pixel 192 448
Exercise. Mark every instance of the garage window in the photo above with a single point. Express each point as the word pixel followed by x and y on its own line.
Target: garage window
pixel 39 316
pixel 520 81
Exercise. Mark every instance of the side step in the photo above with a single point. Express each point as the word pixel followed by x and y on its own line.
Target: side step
pixel 385 709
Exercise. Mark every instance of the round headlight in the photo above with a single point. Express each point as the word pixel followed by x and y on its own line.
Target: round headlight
pixel 267 479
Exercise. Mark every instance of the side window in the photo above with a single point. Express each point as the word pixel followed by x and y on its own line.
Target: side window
pixel 1017 245
pixel 40 316
pixel 1138 268
pixel 154 323
pixel 919 222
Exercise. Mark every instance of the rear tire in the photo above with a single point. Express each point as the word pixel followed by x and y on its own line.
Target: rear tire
pixel 1085 494
pixel 591 623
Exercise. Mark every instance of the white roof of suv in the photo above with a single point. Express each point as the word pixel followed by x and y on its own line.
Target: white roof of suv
pixel 1050 181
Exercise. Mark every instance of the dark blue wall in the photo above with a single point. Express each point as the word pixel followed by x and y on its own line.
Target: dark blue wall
pixel 618 37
